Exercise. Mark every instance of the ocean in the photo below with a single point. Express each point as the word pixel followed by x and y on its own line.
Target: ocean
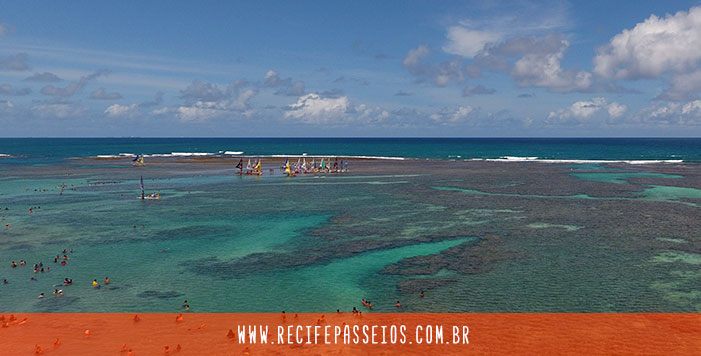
pixel 479 225
pixel 43 150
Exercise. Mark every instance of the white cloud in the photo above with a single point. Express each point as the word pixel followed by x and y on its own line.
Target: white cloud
pixel 442 74
pixel 413 58
pixel 205 101
pixel 616 110
pixel 670 114
pixel 466 42
pixel 582 111
pixel 161 111
pixel 653 47
pixel 312 108
pixel 200 111
pixel 117 110
pixel 544 70
pixel 452 116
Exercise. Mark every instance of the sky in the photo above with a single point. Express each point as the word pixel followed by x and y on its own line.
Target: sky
pixel 350 68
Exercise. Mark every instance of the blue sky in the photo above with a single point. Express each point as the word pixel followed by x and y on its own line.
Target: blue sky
pixel 377 68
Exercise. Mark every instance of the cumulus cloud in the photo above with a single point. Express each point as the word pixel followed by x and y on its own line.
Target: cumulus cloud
pixel 312 108
pixel 684 87
pixel 205 101
pixel 73 87
pixel 441 74
pixel 582 111
pixel 15 62
pixel 161 111
pixel 452 116
pixel 202 91
pixel 117 110
pixel 537 63
pixel 7 89
pixel 477 90
pixel 285 86
pixel 669 114
pixel 653 47
pixel 102 94
pixel 467 42
pixel 544 70
pixel 43 77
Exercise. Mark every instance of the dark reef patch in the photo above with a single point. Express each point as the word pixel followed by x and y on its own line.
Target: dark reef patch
pixel 159 294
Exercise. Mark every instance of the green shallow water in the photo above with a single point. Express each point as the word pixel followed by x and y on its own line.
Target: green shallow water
pixel 265 244
pixel 610 177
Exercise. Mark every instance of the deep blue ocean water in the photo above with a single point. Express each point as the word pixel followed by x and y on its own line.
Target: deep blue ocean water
pixel 46 150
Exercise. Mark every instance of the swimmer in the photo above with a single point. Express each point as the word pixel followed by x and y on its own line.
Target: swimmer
pixel 184 303
pixel 422 294
pixel 4 281
pixel 13 264
pixel 22 262
pixel 41 295
pixel 94 283
pixel 32 278
pixel 399 305
pixel 107 280
pixel 63 263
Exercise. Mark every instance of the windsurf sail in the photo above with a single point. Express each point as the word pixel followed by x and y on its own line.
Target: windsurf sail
pixel 141 185
pixel 138 161
pixel 287 167
pixel 257 167
pixel 240 165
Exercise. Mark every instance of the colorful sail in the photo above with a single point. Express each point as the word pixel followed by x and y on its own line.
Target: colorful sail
pixel 240 165
pixel 287 166
pixel 257 166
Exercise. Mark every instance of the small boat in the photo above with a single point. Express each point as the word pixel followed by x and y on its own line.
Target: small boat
pixel 138 161
pixel 240 167
pixel 144 196
pixel 257 170
pixel 287 170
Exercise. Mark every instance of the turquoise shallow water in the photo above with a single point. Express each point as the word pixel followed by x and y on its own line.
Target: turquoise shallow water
pixel 309 244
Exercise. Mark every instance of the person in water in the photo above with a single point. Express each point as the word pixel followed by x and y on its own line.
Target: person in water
pixel 41 295
pixel 107 280
pixel 399 305
pixel 422 294
pixel 94 283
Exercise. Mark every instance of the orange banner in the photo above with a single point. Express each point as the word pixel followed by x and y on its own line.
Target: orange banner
pixel 348 334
